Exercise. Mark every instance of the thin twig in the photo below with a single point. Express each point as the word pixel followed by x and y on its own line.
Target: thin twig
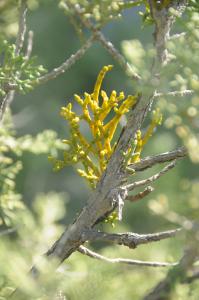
pixel 136 184
pixel 22 27
pixel 139 263
pixel 129 239
pixel 150 161
pixel 177 36
pixel 29 44
pixel 175 93
pixel 67 64
pixel 5 103
pixel 7 87
pixel 140 195
pixel 117 56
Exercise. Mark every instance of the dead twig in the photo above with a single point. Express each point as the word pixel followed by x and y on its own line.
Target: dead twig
pixel 150 161
pixel 140 195
pixel 151 179
pixel 108 45
pixel 22 27
pixel 139 263
pixel 174 94
pixel 129 239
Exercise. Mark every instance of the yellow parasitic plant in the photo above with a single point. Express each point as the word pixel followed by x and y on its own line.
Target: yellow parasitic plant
pixel 102 114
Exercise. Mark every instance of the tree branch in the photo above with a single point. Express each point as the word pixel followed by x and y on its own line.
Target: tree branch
pixel 29 44
pixel 106 196
pixel 150 161
pixel 139 263
pixel 22 27
pixel 67 64
pixel 140 195
pixel 175 93
pixel 105 43
pixel 117 56
pixel 153 178
pixel 108 191
pixel 49 76
pixel 177 35
pixel 129 239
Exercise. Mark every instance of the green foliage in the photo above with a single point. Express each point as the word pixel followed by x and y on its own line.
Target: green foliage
pixel 101 12
pixel 181 113
pixel 19 250
pixel 11 149
pixel 146 14
pixel 8 18
pixel 193 5
pixel 17 70
pixel 10 167
pixel 182 74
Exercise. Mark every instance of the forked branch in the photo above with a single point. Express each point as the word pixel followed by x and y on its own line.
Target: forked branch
pixel 151 179
pixel 151 161
pixel 108 45
pixel 129 239
pixel 140 195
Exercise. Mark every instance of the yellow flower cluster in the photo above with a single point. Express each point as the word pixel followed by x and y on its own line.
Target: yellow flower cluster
pixel 102 115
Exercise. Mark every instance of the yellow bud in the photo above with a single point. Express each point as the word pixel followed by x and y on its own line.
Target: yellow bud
pixel 121 96
pixel 78 99
pixel 74 159
pixel 138 134
pixel 69 106
pixel 103 152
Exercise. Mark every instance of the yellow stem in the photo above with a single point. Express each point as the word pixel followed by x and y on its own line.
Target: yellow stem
pixel 99 80
pixel 148 133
